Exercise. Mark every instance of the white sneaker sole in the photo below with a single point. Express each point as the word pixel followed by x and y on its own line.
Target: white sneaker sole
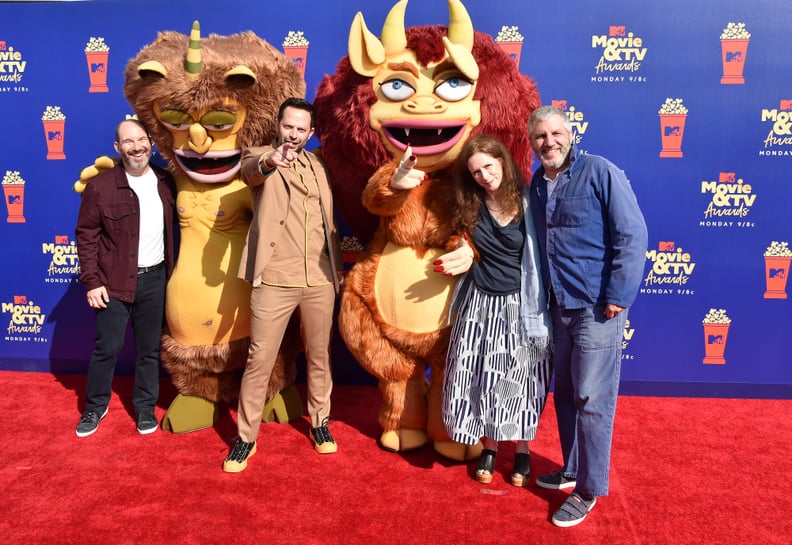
pixel 87 433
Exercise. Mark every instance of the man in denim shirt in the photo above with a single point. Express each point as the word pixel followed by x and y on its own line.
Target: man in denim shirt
pixel 593 241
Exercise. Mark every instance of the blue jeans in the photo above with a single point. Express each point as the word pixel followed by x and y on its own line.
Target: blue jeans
pixel 147 313
pixel 587 354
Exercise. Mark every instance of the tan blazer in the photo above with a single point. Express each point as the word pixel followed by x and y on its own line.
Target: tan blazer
pixel 270 196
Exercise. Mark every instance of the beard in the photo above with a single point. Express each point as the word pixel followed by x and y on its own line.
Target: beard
pixel 558 162
pixel 137 162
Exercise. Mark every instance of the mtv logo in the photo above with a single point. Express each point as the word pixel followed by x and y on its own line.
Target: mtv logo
pixel 785 105
pixel 777 273
pixel 672 131
pixel 560 104
pixel 299 62
pixel 61 239
pixel 734 56
pixel 715 339
pixel 666 246
pixel 727 177
pixel 14 199
pixel 97 67
pixel 513 56
pixel 20 299
pixel 2 45
pixel 54 135
pixel 620 30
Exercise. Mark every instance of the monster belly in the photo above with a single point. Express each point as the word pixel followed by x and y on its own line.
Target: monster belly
pixel 410 295
pixel 206 302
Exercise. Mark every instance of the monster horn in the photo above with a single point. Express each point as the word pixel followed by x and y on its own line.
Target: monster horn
pixel 192 63
pixel 460 27
pixel 393 36
pixel 459 43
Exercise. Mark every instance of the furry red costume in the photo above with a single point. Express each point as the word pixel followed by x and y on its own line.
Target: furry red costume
pixel 409 87
pixel 204 100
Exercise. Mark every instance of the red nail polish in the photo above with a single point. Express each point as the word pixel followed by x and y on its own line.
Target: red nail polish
pixel 465 236
pixel 447 274
pixel 413 157
pixel 426 176
pixel 438 269
pixel 437 262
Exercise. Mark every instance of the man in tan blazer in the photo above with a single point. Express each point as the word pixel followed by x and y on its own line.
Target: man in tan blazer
pixel 293 260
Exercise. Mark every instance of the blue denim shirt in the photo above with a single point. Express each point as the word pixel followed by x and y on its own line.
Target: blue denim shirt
pixel 592 234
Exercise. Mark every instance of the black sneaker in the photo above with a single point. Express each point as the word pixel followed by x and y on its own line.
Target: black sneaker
pixel 89 423
pixel 555 481
pixel 574 510
pixel 322 440
pixel 146 423
pixel 236 460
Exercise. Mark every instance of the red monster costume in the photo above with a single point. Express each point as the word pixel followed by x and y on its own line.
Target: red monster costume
pixel 431 87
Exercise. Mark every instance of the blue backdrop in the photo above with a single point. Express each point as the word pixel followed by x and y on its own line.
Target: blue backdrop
pixel 692 99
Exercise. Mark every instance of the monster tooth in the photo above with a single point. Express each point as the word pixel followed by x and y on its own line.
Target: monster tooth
pixel 406 131
pixel 439 131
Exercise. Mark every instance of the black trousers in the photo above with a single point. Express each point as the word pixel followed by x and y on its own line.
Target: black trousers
pixel 147 313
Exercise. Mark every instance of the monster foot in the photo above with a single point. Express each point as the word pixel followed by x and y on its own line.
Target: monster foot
pixel 402 440
pixel 284 407
pixel 458 451
pixel 190 413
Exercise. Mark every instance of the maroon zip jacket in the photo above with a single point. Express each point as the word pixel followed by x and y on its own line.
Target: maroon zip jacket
pixel 108 226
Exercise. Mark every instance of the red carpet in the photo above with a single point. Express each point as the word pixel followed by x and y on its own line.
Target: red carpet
pixel 685 471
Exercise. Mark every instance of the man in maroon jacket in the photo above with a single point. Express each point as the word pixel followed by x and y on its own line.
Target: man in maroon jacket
pixel 125 245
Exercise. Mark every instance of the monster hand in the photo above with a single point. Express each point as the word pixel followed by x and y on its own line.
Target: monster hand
pixel 457 261
pixel 405 176
pixel 102 163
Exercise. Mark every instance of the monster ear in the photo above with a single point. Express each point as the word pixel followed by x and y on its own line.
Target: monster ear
pixel 240 77
pixel 366 53
pixel 152 68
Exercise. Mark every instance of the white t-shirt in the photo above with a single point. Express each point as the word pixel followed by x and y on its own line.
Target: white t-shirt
pixel 151 245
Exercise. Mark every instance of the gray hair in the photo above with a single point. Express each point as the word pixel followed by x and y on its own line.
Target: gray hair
pixel 544 113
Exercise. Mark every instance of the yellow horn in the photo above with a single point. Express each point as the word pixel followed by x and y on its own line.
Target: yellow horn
pixel 192 63
pixel 393 37
pixel 460 27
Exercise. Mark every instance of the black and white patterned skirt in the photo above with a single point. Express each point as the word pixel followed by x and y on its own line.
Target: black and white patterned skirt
pixel 496 379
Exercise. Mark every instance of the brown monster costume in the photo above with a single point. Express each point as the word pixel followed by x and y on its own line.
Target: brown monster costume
pixel 204 100
pixel 432 88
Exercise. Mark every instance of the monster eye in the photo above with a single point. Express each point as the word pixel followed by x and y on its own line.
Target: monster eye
pixel 176 120
pixel 397 89
pixel 453 89
pixel 218 120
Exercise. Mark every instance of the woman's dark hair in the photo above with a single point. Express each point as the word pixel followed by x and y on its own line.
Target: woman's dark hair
pixel 469 195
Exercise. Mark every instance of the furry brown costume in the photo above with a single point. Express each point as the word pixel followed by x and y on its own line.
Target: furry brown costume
pixel 204 100
pixel 383 317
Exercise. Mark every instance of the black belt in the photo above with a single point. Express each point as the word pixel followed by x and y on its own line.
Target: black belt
pixel 144 270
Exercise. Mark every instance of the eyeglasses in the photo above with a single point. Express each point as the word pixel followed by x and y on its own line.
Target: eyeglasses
pixel 142 141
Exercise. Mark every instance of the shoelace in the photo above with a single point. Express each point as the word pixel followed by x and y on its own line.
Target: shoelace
pixel 89 418
pixel 240 450
pixel 322 433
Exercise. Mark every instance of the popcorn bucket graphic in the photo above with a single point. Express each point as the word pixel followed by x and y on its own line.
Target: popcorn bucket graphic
pixel 512 49
pixel 776 272
pixel 97 70
pixel 54 132
pixel 15 202
pixel 733 53
pixel 299 55
pixel 715 342
pixel 672 129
